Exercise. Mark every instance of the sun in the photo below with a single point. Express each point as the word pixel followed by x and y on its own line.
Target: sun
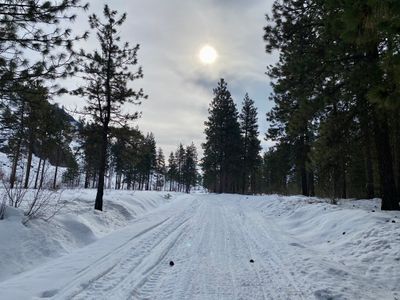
pixel 208 55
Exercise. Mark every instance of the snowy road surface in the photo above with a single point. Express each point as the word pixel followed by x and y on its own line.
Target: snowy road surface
pixel 211 239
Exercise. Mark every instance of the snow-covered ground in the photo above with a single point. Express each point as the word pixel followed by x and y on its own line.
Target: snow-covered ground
pixel 222 246
pixel 76 225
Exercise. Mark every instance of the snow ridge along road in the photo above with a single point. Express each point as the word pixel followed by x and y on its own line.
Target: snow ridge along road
pixel 211 240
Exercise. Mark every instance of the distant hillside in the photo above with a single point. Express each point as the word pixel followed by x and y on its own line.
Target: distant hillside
pixel 65 115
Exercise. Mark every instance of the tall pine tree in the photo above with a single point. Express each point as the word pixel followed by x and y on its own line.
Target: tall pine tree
pixel 222 150
pixel 251 144
pixel 107 73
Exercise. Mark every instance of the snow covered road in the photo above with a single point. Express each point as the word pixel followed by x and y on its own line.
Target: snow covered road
pixel 211 240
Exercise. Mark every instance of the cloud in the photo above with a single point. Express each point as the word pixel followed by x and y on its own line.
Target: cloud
pixel 179 86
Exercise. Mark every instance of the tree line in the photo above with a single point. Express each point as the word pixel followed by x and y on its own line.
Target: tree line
pixel 133 162
pixel 336 109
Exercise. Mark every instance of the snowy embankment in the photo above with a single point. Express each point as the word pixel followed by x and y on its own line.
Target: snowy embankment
pixel 76 225
pixel 222 246
pixel 355 235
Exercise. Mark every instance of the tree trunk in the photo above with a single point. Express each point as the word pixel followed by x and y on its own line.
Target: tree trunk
pixel 56 170
pixel 103 160
pixel 311 186
pixel 109 180
pixel 336 181
pixel 87 179
pixel 37 173
pixel 55 177
pixel 28 164
pixel 390 199
pixel 369 186
pixel 42 175
pixel 13 175
pixel 78 180
pixel 304 184
pixel 303 170
pixel 94 181
pixel 244 181
pixel 397 150
pixel 344 183
pixel 244 166
pixel 253 182
pixel 369 172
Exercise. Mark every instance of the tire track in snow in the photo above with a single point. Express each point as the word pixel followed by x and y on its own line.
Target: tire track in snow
pixel 198 255
pixel 156 280
pixel 227 247
pixel 171 283
pixel 197 243
pixel 210 274
pixel 252 269
pixel 117 249
pixel 132 261
pixel 215 265
pixel 273 268
pixel 105 263
pixel 116 265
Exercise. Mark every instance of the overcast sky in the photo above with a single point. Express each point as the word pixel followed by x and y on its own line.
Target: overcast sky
pixel 171 34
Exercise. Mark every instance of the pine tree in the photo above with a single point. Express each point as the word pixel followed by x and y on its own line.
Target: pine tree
pixel 189 169
pixel 222 150
pixel 180 161
pixel 160 170
pixel 107 74
pixel 172 172
pixel 251 144
pixel 32 29
pixel 295 81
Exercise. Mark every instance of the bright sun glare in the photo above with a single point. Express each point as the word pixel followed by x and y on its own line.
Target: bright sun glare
pixel 208 55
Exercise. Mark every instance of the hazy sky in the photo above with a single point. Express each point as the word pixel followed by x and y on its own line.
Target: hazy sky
pixel 171 34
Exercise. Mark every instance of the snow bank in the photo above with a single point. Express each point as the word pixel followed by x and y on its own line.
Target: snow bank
pixel 356 234
pixel 77 225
